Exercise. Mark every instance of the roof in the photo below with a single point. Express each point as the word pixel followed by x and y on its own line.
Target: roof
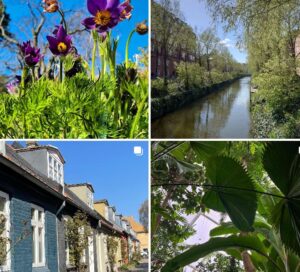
pixel 13 160
pixel 35 146
pixel 136 226
pixel 102 201
pixel 89 185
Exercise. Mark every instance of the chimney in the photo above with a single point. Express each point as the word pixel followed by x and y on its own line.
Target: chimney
pixel 31 144
pixel 2 148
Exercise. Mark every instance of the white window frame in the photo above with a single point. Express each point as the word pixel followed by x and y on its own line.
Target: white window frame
pixel 36 224
pixel 6 213
pixel 56 175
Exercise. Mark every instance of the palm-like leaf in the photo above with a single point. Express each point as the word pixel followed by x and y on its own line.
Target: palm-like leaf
pixel 213 245
pixel 282 163
pixel 231 190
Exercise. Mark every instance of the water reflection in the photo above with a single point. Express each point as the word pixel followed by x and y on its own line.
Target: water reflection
pixel 223 114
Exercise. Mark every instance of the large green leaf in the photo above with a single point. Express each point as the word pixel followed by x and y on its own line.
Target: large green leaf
pixel 231 190
pixel 282 162
pixel 205 150
pixel 213 245
pixel 229 228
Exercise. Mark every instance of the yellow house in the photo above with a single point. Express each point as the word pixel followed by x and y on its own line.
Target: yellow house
pixel 109 213
pixel 142 233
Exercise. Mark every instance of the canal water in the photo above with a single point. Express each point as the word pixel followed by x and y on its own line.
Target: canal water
pixel 222 114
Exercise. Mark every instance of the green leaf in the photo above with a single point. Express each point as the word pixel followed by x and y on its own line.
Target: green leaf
pixel 231 189
pixel 282 163
pixel 213 245
pixel 230 228
pixel 205 150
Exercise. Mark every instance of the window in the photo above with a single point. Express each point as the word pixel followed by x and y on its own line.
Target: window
pixel 106 212
pixel 4 215
pixel 90 199
pixel 38 236
pixel 55 169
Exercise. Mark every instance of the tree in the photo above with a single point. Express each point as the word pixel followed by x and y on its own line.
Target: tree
pixel 167 28
pixel 144 214
pixel 78 231
pixel 209 42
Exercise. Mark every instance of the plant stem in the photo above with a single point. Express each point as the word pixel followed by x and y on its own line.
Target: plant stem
pixel 127 48
pixel 102 58
pixel 33 75
pixel 218 187
pixel 63 19
pixel 60 70
pixel 94 54
pixel 137 117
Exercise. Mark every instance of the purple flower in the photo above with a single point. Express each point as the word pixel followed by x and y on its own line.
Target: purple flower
pixel 13 85
pixel 61 44
pixel 126 10
pixel 106 14
pixel 31 55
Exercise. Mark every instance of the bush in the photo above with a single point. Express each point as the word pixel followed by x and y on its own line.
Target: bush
pixel 79 108
pixel 158 88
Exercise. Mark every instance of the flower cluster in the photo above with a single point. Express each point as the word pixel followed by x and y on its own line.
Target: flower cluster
pixel 106 14
pixel 31 55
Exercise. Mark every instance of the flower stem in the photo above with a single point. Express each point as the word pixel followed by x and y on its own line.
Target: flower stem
pixel 137 117
pixel 33 75
pixel 127 48
pixel 95 38
pixel 60 70
pixel 63 19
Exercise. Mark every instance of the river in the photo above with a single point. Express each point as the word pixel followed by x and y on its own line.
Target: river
pixel 222 114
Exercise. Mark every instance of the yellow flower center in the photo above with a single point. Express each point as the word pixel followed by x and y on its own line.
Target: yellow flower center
pixel 102 17
pixel 62 47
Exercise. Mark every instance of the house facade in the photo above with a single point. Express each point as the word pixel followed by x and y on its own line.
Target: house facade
pixel 36 205
pixel 141 233
pixel 174 54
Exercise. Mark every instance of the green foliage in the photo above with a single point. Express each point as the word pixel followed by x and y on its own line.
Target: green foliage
pixel 228 178
pixel 77 231
pixel 263 209
pixel 112 247
pixel 282 163
pixel 3 240
pixel 220 263
pixel 78 108
pixel 124 250
pixel 213 245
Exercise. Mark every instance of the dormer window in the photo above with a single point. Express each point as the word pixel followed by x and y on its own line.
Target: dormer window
pixel 55 169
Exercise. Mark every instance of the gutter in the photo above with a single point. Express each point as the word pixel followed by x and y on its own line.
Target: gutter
pixel 63 204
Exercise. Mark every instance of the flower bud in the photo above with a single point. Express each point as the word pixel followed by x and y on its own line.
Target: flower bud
pixel 142 28
pixel 51 6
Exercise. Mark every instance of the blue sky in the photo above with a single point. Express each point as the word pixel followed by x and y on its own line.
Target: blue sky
pixel 18 11
pixel 115 172
pixel 196 15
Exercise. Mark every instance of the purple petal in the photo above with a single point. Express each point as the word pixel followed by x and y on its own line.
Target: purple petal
pixel 61 33
pixel 89 23
pixel 111 4
pixel 96 5
pixel 53 45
